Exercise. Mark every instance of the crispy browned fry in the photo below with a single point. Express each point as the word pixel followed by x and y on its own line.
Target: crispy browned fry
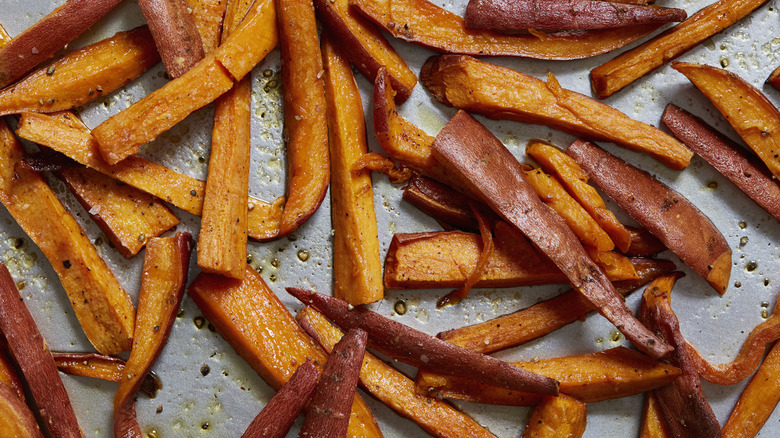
pixel 612 76
pixel 261 330
pixel 429 25
pixel 45 37
pixel 104 310
pixel 128 216
pixel 681 403
pixel 774 78
pixel 556 417
pixel 614 373
pixel 180 190
pixel 394 389
pixel 746 108
pixel 653 425
pixel 501 93
pixel 208 16
pixel 96 366
pixel 16 420
pixel 175 34
pixel 30 351
pixel 82 75
pixel 357 269
pixel 681 226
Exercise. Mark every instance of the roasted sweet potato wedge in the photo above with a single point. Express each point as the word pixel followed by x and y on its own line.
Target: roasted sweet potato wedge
pixel 208 16
pixel 554 417
pixel 501 93
pixel 16 420
pixel 614 75
pixel 428 25
pixel 681 226
pixel 175 34
pixel 653 424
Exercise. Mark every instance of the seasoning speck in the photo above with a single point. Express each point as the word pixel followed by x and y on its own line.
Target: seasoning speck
pixel 205 370
pixel 400 307
pixel 199 322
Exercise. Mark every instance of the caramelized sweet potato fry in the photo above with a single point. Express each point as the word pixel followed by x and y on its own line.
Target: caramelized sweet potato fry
pixel 745 107
pixel 8 371
pixel 128 216
pixel 614 373
pixel 774 78
pixel 428 25
pixel 394 389
pixel 557 417
pixel 16 420
pixel 96 366
pixel 653 424
pixel 82 75
pixel 440 202
pixel 29 350
pixel 681 226
pixel 643 243
pixel 500 93
pixel 357 269
pixel 613 75
pixel 208 16
pixel 124 133
pixel 175 34
pixel 102 307
pixel 259 327
pixel 478 164
pixel 45 37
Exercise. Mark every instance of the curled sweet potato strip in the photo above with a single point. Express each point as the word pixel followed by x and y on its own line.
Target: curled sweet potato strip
pixel 377 163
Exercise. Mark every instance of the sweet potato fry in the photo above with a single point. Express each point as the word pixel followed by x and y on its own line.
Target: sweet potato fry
pixel 45 37
pixel 549 16
pixel 501 93
pixel 29 350
pixel 540 319
pixel 180 190
pixel 417 348
pixel 428 25
pixel 744 170
pixel 479 165
pixel 8 371
pixel 614 75
pixel 175 34
pixel 128 216
pixel 124 133
pixel 394 389
pixel 102 307
pixel 259 327
pixel 278 415
pixel 16 420
pixel 440 202
pixel 653 424
pixel 561 416
pixel 643 243
pixel 166 263
pixel 82 75
pixel 357 269
pixel 365 46
pixel 745 107
pixel 774 78
pixel 614 373
pixel 571 175
pixel 96 366
pixel 681 226
pixel 208 16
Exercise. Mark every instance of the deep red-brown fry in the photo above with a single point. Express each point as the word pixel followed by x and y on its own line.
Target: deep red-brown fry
pixel 328 413
pixel 440 202
pixel 30 351
pixel 279 414
pixel 419 349
pixel 175 34
pixel 643 243
pixel 16 420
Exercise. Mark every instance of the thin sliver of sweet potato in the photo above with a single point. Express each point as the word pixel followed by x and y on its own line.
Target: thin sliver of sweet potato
pixel 16 420
pixel 561 416
pixel 440 202
pixel 175 34
pixel 96 366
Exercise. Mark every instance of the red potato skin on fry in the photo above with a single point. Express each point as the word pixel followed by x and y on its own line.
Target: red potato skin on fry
pixel 276 418
pixel 681 226
pixel 419 349
pixel 553 15
pixel 328 413
pixel 53 32
pixel 745 171
pixel 479 165
pixel 174 33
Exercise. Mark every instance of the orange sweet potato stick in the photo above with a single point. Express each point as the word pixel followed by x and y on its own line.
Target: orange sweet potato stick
pixel 16 420
pixel 561 416
pixel 175 34
pixel 208 16
pixel 96 366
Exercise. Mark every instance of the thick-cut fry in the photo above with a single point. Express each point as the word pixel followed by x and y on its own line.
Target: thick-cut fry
pixel 571 175
pixel 180 190
pixel 45 37
pixel 305 121
pixel 745 107
pixel 30 351
pixel 166 264
pixel 208 16
pixel 96 366
pixel 479 165
pixel 758 399
pixel 128 216
pixel 83 75
pixel 653 424
pixel 365 46
pixel 681 226
pixel 175 34
pixel 102 307
pixel 426 24
pixel 16 420
pixel 261 330
pixel 124 133
pixel 394 389
pixel 613 75
pixel 501 93
pixel 357 269
pixel 614 373
pixel 557 417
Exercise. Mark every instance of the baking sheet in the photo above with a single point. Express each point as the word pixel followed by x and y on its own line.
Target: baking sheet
pixel 222 403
